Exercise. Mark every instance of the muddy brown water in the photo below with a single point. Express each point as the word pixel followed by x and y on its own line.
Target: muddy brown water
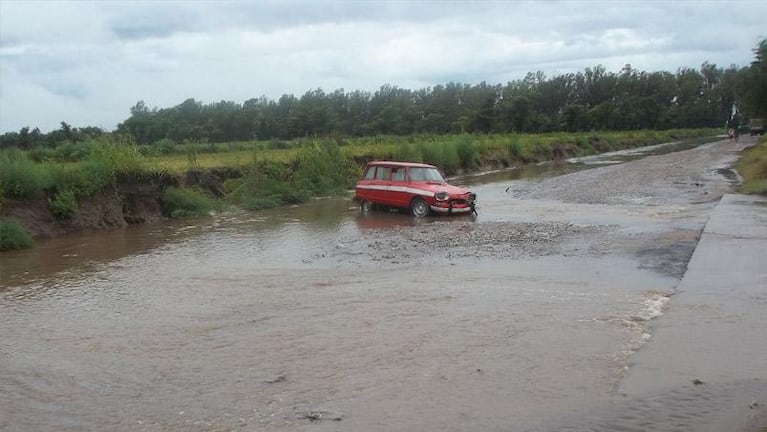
pixel 318 317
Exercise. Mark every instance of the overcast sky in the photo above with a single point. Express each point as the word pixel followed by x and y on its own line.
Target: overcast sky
pixel 87 63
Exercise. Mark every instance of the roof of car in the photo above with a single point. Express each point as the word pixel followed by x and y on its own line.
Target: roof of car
pixel 401 164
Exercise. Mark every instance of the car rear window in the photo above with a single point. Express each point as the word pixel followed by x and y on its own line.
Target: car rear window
pixel 370 173
pixel 383 173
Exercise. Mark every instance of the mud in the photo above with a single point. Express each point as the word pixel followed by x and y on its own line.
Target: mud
pixel 316 317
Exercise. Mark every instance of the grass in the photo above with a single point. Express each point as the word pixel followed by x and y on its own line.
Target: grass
pixel 13 235
pixel 179 163
pixel 752 166
pixel 65 184
pixel 22 178
pixel 318 168
pixel 178 203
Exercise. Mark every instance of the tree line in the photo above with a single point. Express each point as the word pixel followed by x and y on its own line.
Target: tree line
pixel 594 99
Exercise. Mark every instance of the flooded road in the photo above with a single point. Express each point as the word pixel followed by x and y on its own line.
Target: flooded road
pixel 317 317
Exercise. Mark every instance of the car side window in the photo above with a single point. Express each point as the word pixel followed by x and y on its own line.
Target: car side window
pixel 398 174
pixel 383 173
pixel 370 173
pixel 416 174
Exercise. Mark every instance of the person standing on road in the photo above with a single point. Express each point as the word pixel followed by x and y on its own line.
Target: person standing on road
pixel 732 127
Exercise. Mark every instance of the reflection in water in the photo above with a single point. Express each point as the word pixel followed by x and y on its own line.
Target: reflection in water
pixel 81 251
pixel 546 169
pixel 272 235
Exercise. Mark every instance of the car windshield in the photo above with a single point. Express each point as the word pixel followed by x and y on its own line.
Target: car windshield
pixel 426 174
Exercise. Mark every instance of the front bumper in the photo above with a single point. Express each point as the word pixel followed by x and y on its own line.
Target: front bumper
pixel 456 205
pixel 450 210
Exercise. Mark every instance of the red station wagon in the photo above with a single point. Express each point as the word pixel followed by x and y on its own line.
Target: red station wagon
pixel 416 187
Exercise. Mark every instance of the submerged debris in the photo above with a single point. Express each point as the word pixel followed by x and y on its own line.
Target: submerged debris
pixel 315 416
pixel 277 379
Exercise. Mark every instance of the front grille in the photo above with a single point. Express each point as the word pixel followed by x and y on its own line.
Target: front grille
pixel 460 202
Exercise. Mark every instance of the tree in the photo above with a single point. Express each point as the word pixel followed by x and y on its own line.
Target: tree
pixel 752 84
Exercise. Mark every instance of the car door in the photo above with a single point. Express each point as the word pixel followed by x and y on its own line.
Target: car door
pixel 381 185
pixel 364 189
pixel 400 192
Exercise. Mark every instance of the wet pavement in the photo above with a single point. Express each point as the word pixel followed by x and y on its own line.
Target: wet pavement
pixel 557 307
pixel 703 370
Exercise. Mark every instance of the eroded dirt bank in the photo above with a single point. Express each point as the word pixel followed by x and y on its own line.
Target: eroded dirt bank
pixel 134 199
pixel 318 318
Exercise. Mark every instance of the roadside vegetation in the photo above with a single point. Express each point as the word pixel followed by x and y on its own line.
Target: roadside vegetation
pixel 752 166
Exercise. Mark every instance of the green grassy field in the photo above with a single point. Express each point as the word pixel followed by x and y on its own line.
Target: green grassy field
pixel 452 153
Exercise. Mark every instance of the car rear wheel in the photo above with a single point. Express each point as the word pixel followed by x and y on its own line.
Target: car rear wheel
pixel 366 206
pixel 419 208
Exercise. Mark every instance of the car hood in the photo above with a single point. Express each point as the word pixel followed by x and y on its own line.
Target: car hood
pixel 441 187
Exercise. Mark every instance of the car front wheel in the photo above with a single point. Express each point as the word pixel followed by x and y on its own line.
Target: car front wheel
pixel 419 208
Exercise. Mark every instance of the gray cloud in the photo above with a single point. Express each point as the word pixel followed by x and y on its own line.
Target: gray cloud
pixel 88 63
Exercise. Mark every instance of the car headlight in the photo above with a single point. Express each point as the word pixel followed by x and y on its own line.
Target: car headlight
pixel 441 196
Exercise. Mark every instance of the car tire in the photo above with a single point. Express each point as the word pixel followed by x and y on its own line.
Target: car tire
pixel 419 208
pixel 366 206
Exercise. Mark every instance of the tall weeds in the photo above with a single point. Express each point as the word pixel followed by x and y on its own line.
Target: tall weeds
pixel 752 166
pixel 22 178
pixel 13 235
pixel 318 168
pixel 178 203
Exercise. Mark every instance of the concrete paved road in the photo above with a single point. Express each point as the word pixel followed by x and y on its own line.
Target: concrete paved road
pixel 715 330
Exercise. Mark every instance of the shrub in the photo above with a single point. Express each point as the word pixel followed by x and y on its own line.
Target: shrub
pixel 277 145
pixel 408 152
pixel 186 203
pixel 267 184
pixel 20 177
pixel 42 154
pixel 120 157
pixel 514 147
pixel 163 147
pixel 752 166
pixel 318 168
pixel 272 193
pixel 63 205
pixel 467 153
pixel 84 180
pixel 71 152
pixel 322 168
pixel 443 154
pixel 14 236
